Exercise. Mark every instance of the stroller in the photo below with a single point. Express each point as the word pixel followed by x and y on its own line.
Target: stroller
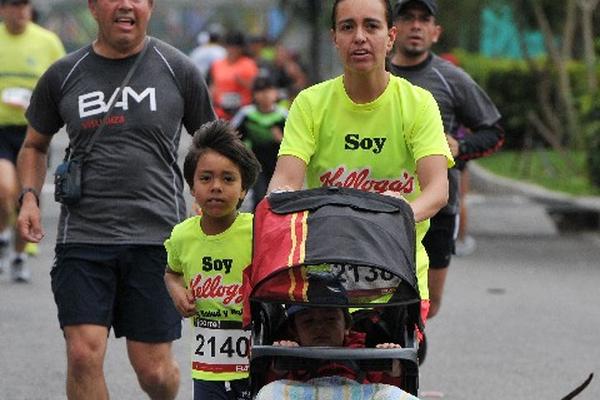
pixel 365 240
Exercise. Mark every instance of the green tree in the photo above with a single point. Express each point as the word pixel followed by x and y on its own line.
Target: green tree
pixel 461 23
pixel 556 118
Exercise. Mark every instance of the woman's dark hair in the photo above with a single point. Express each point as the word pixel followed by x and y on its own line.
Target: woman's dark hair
pixel 388 13
pixel 220 137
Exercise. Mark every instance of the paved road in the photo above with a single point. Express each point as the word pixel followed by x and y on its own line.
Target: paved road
pixel 520 318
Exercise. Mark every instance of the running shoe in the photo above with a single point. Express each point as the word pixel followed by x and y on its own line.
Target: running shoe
pixel 19 272
pixel 466 246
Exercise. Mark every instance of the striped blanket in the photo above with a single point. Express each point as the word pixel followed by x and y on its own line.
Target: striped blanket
pixel 331 388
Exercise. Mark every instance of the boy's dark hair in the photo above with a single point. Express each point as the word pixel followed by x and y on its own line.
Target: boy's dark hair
pixel 220 136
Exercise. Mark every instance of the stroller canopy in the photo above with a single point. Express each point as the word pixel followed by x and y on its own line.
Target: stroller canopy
pixel 367 240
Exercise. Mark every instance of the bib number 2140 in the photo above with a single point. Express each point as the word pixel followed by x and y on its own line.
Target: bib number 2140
pixel 228 346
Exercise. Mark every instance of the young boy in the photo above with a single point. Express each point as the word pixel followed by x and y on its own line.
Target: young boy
pixel 207 254
pixel 329 326
pixel 261 127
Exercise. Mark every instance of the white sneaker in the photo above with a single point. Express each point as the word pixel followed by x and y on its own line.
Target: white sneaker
pixel 19 272
pixel 465 247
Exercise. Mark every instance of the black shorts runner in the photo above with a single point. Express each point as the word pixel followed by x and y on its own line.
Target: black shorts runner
pixel 120 286
pixel 11 140
pixel 440 239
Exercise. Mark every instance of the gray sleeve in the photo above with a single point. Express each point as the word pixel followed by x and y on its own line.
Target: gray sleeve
pixel 474 108
pixel 198 107
pixel 476 111
pixel 43 112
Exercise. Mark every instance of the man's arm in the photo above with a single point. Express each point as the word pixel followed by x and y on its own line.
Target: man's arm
pixel 432 172
pixel 483 141
pixel 476 111
pixel 31 169
pixel 289 174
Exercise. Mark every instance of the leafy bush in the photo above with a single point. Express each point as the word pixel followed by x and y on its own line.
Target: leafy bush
pixel 513 88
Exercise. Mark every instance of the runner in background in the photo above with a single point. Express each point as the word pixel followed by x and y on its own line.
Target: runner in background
pixel 209 49
pixel 260 125
pixel 230 79
pixel 462 103
pixel 26 51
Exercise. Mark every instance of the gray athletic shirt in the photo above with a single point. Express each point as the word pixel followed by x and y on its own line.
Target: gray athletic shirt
pixel 461 102
pixel 132 185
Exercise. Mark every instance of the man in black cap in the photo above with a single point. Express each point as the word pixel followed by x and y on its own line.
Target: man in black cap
pixel 462 103
pixel 26 51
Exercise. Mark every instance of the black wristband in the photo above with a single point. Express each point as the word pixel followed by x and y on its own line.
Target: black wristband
pixel 28 190
pixel 462 147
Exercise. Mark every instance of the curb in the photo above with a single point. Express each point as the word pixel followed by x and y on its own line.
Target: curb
pixel 573 212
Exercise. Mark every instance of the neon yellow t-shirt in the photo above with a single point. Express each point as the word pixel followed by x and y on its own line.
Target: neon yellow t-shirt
pixel 23 60
pixel 372 147
pixel 213 265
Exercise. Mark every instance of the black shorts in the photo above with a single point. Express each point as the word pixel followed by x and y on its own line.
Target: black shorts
pixel 440 239
pixel 11 140
pixel 120 286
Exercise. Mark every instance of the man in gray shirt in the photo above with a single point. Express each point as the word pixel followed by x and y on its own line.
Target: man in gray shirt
pixel 462 103
pixel 110 257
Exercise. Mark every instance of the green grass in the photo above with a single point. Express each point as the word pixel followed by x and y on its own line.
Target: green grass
pixel 545 168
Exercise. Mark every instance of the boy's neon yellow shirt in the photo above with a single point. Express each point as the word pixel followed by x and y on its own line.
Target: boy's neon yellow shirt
pixel 372 147
pixel 213 265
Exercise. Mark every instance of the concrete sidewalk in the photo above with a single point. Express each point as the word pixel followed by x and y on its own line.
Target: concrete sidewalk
pixel 508 215
pixel 514 207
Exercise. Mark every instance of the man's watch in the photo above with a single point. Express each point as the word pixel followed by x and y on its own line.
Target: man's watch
pixel 28 190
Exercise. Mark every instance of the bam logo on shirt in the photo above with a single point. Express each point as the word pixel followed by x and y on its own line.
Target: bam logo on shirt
pixel 93 103
pixel 353 141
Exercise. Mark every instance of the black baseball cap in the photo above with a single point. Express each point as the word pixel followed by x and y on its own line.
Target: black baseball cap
pixel 323 288
pixel 431 6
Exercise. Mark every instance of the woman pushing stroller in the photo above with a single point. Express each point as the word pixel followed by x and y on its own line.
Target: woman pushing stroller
pixel 367 129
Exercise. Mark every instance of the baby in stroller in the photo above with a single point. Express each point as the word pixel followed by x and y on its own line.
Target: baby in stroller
pixel 326 327
pixel 320 255
pixel 329 326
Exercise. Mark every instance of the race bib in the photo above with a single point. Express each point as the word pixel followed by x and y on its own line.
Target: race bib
pixel 16 97
pixel 362 282
pixel 231 101
pixel 218 348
